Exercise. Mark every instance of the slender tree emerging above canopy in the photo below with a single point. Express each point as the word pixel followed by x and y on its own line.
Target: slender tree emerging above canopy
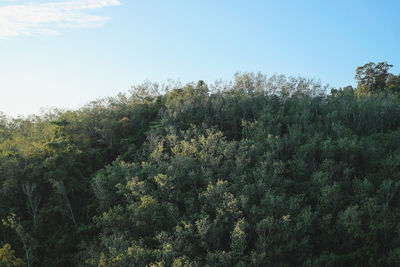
pixel 260 171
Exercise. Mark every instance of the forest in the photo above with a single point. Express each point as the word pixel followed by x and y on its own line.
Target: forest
pixel 257 171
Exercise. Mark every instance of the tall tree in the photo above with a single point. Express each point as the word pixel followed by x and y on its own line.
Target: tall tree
pixel 372 77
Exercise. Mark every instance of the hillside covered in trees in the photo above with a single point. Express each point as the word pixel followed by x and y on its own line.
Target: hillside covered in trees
pixel 260 171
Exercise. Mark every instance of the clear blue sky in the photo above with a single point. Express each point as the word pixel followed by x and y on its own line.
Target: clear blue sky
pixel 64 53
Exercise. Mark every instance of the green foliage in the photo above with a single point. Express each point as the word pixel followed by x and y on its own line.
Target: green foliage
pixel 261 171
pixel 8 259
pixel 373 78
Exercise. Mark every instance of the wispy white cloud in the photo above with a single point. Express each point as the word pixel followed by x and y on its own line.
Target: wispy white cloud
pixel 47 18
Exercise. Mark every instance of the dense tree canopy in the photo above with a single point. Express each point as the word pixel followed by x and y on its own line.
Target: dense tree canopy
pixel 260 171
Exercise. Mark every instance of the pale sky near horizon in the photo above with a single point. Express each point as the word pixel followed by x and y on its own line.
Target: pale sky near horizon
pixel 65 53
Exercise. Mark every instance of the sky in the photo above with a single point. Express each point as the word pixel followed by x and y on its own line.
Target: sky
pixel 66 53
